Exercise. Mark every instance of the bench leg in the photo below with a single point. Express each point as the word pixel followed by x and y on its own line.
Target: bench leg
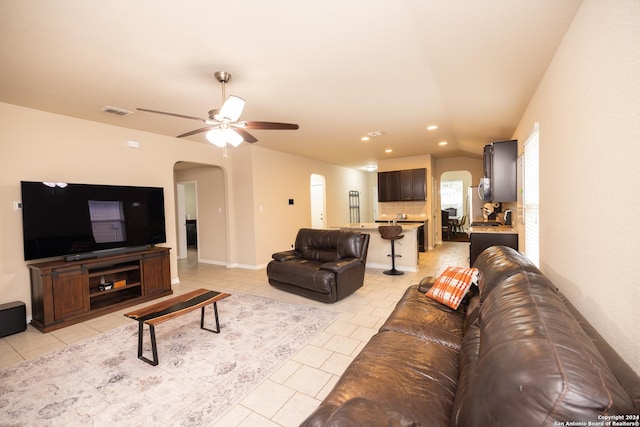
pixel 215 311
pixel 154 348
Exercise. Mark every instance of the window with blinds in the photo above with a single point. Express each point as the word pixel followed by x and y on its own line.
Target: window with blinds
pixel 107 221
pixel 451 196
pixel 531 196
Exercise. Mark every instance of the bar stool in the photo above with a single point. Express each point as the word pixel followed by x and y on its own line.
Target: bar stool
pixel 392 232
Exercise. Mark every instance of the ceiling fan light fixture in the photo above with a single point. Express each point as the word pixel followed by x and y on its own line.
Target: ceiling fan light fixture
pixel 231 109
pixel 216 137
pixel 233 137
pixel 222 137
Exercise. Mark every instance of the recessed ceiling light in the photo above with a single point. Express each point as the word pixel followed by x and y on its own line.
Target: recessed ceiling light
pixel 116 110
pixel 432 127
pixel 364 138
pixel 442 143
pixel 371 168
pixel 388 150
pixel 375 133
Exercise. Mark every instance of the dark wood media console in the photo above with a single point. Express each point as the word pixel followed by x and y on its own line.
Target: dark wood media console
pixel 68 292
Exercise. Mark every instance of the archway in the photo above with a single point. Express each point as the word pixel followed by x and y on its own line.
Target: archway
pixel 454 194
pixel 202 222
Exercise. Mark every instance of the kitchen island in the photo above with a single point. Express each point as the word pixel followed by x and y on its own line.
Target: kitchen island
pixel 380 249
pixel 482 237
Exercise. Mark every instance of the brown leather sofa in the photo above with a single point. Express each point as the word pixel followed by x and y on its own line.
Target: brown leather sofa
pixel 325 265
pixel 517 354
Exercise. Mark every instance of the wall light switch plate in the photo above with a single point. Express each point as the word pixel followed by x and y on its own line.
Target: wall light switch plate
pixel 17 206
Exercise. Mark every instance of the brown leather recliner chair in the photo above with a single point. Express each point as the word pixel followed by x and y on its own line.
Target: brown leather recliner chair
pixel 325 265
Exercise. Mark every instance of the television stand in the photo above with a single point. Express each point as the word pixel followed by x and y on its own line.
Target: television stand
pixel 68 292
pixel 104 252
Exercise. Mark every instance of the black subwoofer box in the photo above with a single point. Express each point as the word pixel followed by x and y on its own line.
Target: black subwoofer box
pixel 13 318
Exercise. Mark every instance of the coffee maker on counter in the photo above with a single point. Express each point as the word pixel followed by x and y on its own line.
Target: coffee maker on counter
pixel 507 217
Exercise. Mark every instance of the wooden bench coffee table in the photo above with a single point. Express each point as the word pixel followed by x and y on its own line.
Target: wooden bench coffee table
pixel 166 310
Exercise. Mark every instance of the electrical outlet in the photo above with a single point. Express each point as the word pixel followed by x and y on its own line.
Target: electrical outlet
pixel 17 206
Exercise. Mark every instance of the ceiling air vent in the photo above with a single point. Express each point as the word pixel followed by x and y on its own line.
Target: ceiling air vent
pixel 116 110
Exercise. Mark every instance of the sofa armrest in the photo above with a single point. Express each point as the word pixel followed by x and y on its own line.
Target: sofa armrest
pixel 341 265
pixel 286 255
pixel 426 283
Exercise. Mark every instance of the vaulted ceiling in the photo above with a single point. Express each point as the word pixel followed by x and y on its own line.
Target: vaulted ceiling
pixel 338 68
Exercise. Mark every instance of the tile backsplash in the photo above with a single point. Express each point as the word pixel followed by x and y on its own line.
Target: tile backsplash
pixel 413 210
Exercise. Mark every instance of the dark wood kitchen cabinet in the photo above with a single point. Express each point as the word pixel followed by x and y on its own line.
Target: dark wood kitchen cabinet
pixel 388 186
pixel 481 241
pixel 500 160
pixel 68 292
pixel 403 185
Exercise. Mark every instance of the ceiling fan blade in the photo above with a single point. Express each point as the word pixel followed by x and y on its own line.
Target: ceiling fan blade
pixel 193 132
pixel 268 125
pixel 246 135
pixel 170 114
pixel 231 109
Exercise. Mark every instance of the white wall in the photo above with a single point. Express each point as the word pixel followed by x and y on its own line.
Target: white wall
pixel 589 113
pixel 278 177
pixel 39 146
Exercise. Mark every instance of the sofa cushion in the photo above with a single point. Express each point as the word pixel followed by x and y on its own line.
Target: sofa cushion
pixel 350 245
pixel 534 354
pixel 360 412
pixel 328 245
pixel 452 285
pixel 305 273
pixel 424 318
pixel 411 381
pixel 496 263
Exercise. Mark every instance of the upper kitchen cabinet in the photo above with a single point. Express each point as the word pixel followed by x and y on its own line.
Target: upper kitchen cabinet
pixel 500 167
pixel 404 185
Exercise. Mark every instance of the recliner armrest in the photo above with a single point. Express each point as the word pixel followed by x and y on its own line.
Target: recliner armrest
pixel 286 255
pixel 341 265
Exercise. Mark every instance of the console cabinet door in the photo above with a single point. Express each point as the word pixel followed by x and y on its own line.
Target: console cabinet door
pixel 156 275
pixel 70 293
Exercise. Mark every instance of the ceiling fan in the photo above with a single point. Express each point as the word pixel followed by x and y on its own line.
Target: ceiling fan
pixel 222 126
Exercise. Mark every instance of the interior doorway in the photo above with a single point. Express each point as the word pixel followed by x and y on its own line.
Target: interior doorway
pixel 453 192
pixel 318 197
pixel 201 213
pixel 187 214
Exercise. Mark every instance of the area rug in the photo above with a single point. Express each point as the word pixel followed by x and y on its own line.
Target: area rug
pixel 100 381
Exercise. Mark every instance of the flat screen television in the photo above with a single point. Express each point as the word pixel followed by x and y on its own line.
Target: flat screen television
pixel 85 220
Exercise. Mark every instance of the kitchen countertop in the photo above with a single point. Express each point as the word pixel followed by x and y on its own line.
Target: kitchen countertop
pixel 505 229
pixel 379 248
pixel 375 225
pixel 412 218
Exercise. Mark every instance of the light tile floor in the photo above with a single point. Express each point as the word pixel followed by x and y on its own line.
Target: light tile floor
pixel 291 393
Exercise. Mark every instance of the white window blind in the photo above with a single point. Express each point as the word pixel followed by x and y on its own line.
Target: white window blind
pixel 451 195
pixel 532 196
pixel 107 221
